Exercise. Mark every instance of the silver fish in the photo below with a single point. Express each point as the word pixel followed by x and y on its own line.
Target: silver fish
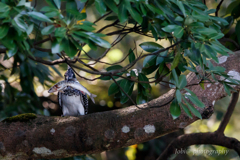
pixel 60 86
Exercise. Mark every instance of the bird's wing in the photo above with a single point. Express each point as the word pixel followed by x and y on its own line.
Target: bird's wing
pixel 84 100
pixel 60 100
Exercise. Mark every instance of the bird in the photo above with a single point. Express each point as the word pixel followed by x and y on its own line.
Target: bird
pixel 73 102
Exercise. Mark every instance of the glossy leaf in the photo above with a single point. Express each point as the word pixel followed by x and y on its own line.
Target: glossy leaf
pixel 3 31
pixel 122 13
pixel 185 108
pixel 126 85
pixel 47 30
pixel 193 109
pixel 111 5
pixel 113 89
pixel 194 99
pixel 149 61
pixel 182 81
pixel 39 16
pixel 150 46
pixel 131 56
pixel 142 77
pixel 178 96
pixel 69 48
pixel 175 109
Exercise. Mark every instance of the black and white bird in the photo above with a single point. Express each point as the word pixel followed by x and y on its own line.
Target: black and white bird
pixel 73 102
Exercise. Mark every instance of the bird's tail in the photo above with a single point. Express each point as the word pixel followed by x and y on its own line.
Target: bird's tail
pixel 92 97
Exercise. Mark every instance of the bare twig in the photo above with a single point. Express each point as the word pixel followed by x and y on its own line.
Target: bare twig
pixel 229 112
pixel 102 17
pixel 218 7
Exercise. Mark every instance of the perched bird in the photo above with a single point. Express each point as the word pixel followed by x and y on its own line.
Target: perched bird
pixel 73 102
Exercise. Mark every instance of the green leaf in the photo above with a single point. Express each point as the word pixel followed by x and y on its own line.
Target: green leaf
pixel 69 48
pixel 178 96
pixel 149 70
pixel 192 109
pixel 47 30
pixel 143 9
pixel 175 77
pixel 122 13
pixel 227 88
pixel 175 109
pixel 136 16
pixel 39 16
pixel 178 32
pixel 141 99
pixel 205 31
pixel 126 86
pixel 186 110
pixel 19 24
pixel 155 9
pixel 30 29
pixel 202 85
pixel 101 8
pixel 48 9
pixel 149 61
pixel 57 3
pixel 113 89
pixel 3 30
pixel 194 99
pixel 4 7
pixel 11 52
pixel 163 69
pixel 142 77
pixel 170 28
pixel 237 31
pixel 182 81
pixel 56 47
pixel 131 56
pixel 114 68
pixel 180 5
pixel 176 60
pixel 111 5
pixel 150 46
pixel 161 57
pixel 60 32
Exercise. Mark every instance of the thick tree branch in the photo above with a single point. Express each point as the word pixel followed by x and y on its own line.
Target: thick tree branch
pixel 55 137
pixel 200 138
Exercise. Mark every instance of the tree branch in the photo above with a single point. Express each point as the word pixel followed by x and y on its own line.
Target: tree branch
pixel 200 138
pixel 229 112
pixel 218 7
pixel 55 137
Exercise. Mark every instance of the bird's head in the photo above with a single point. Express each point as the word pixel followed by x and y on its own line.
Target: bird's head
pixel 70 75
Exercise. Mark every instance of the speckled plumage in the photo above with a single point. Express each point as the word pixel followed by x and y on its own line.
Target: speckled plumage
pixel 73 102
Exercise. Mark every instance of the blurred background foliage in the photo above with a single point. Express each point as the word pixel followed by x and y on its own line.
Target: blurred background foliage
pixel 25 85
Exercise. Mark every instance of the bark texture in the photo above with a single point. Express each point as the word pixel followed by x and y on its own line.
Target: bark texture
pixel 58 137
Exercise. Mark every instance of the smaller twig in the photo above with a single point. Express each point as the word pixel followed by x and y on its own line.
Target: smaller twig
pixel 218 7
pixel 102 17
